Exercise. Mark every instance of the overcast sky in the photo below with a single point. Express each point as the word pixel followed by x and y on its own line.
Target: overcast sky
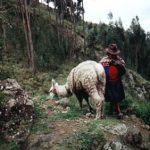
pixel 97 10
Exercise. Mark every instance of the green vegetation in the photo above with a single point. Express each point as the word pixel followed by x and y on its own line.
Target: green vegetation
pixel 9 146
pixel 89 137
pixel 2 99
pixel 74 111
pixel 55 54
pixel 142 110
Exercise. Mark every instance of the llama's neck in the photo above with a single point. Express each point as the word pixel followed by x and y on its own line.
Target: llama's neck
pixel 62 90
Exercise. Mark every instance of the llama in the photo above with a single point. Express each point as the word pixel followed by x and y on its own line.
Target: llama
pixel 85 80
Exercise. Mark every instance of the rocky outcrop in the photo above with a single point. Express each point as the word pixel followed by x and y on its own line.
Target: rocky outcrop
pixel 16 111
pixel 137 86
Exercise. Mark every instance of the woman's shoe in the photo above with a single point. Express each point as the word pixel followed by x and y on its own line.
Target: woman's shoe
pixel 120 116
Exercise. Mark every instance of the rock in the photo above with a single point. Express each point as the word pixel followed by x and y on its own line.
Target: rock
pixel 145 146
pixel 119 129
pixel 133 117
pixel 63 102
pixel 11 103
pixel 138 86
pixel 88 114
pixel 126 117
pixel 147 127
pixel 17 111
pixel 133 136
pixel 115 146
pixel 107 146
pixel 68 108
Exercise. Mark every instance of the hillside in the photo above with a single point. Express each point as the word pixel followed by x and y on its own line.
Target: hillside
pixel 59 124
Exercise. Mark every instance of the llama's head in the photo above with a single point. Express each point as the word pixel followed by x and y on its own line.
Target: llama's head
pixel 53 89
pixel 59 90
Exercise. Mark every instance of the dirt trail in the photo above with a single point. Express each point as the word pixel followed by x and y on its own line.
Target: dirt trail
pixel 64 128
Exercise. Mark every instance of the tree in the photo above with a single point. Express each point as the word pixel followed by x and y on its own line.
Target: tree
pixel 137 39
pixel 28 35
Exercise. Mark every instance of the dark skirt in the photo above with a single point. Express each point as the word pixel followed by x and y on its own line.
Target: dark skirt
pixel 114 91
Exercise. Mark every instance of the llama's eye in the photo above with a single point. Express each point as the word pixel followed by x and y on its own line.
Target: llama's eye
pixel 50 90
pixel 54 91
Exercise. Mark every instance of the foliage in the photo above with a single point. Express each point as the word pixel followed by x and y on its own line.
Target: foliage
pixel 38 107
pixel 143 110
pixel 40 126
pixel 6 71
pixel 14 146
pixel 127 102
pixel 40 115
pixel 133 42
pixel 9 146
pixel 2 99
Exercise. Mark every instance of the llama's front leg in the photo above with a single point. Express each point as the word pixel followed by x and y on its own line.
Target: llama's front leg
pixel 80 99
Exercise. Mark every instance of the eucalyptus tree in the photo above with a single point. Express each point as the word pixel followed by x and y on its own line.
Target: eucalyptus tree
pixel 28 34
pixel 137 41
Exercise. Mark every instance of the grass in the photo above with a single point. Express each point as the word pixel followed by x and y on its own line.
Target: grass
pixel 9 145
pixel 104 122
pixel 40 126
pixel 73 113
pixel 142 110
pixel 89 137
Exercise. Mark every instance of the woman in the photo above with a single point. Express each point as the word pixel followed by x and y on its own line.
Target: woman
pixel 114 68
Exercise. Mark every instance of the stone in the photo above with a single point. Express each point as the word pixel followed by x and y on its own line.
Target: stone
pixel 11 103
pixel 119 129
pixel 147 127
pixel 116 145
pixel 133 117
pixel 63 102
pixel 133 136
pixel 16 112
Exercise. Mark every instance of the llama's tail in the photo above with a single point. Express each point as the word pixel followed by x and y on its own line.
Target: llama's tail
pixel 101 76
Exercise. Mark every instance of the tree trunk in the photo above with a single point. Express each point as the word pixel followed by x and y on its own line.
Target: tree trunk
pixel 57 24
pixel 84 28
pixel 28 34
pixel 4 38
pixel 32 63
pixel 136 57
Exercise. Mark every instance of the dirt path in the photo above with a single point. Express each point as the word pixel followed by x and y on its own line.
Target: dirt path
pixel 62 129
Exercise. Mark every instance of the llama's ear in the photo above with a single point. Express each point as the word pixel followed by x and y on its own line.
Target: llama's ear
pixel 53 82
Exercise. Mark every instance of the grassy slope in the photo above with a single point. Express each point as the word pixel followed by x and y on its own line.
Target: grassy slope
pixel 38 86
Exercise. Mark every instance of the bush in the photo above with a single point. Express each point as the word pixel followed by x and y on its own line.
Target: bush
pixel 142 110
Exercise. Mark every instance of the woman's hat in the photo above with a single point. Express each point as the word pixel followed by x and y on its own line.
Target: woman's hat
pixel 113 49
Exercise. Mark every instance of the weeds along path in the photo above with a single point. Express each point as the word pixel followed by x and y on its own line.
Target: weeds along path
pixel 54 124
pixel 58 123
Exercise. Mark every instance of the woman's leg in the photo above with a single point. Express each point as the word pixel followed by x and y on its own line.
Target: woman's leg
pixel 117 109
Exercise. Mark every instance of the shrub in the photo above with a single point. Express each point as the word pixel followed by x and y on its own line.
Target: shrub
pixel 142 110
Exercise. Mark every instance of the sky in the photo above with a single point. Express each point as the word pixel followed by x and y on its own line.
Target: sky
pixel 97 10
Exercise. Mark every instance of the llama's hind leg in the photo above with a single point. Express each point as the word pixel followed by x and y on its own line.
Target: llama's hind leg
pixel 90 107
pixel 99 101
